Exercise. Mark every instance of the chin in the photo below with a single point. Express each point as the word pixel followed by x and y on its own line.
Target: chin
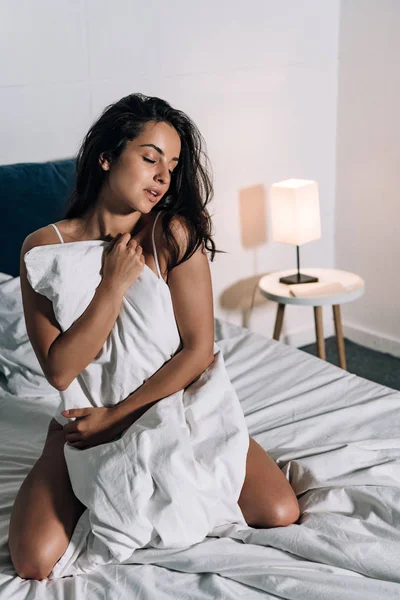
pixel 140 207
pixel 148 206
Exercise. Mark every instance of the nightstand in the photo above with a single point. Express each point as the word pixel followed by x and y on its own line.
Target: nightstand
pixel 271 288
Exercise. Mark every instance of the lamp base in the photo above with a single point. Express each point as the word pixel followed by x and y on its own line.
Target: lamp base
pixel 298 278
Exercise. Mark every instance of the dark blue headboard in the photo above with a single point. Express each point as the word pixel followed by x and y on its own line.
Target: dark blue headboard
pixel 32 195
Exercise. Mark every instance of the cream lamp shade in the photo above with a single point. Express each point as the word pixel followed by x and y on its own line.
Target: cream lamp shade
pixel 295 218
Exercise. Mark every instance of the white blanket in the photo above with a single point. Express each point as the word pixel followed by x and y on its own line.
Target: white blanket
pixel 175 475
pixel 334 435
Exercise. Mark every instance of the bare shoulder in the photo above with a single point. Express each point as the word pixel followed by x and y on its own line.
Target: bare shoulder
pixel 41 237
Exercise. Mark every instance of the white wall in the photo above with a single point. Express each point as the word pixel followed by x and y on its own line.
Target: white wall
pixel 368 174
pixel 258 77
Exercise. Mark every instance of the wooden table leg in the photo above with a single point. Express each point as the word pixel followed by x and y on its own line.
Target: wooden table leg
pixel 319 330
pixel 339 335
pixel 278 321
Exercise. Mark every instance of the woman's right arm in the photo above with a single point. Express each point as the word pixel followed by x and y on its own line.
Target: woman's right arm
pixel 63 356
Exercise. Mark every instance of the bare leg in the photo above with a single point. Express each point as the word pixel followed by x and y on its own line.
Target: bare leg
pixel 267 498
pixel 45 511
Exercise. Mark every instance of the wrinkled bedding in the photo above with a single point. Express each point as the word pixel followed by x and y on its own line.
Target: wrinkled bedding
pixel 185 456
pixel 333 434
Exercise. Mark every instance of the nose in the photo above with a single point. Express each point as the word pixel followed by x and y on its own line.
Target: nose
pixel 162 175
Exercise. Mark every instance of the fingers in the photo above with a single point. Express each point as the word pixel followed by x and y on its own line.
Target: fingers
pixel 73 437
pixel 119 239
pixel 124 238
pixel 71 427
pixel 129 241
pixel 77 445
pixel 135 247
pixel 113 242
pixel 77 412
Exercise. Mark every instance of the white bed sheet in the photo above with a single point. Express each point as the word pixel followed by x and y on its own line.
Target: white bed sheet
pixel 334 435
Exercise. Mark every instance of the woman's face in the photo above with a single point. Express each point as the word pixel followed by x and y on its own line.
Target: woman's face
pixel 142 174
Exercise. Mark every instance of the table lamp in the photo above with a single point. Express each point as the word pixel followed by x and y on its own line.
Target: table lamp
pixel 295 218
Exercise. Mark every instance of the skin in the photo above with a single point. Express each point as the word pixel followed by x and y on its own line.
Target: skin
pixel 45 510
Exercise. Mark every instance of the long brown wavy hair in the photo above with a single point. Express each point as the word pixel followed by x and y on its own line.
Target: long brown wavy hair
pixel 191 185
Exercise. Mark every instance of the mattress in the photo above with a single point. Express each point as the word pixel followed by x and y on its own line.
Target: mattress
pixel 333 434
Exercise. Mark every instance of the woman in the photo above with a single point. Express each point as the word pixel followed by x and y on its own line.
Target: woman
pixel 140 179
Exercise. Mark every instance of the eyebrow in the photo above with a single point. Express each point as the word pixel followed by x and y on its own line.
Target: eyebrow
pixel 158 150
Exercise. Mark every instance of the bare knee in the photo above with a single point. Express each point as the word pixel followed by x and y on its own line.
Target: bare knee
pixel 44 513
pixel 32 572
pixel 280 515
pixel 286 514
pixel 37 566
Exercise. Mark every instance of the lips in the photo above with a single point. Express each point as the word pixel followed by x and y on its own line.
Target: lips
pixel 152 197
pixel 154 191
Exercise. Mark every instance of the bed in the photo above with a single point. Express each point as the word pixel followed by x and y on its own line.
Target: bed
pixel 333 434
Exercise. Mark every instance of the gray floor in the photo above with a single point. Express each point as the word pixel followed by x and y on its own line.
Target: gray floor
pixel 370 364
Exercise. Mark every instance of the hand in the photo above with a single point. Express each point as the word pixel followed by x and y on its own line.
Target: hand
pixel 93 426
pixel 123 262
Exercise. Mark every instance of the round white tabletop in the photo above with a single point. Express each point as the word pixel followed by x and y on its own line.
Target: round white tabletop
pixel 271 287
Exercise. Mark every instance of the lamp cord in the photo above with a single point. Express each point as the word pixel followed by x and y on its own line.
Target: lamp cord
pixel 253 297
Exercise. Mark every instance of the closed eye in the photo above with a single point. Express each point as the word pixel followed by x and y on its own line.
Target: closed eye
pixel 153 162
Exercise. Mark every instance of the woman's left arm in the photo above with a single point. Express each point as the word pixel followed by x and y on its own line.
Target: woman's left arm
pixel 191 291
